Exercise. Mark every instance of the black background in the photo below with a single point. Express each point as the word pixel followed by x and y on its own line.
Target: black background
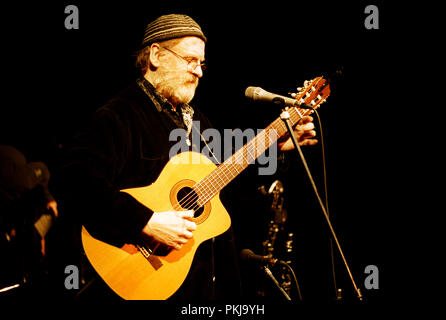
pixel 57 77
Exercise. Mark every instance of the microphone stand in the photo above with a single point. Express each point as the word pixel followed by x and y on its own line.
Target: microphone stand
pixel 270 274
pixel 285 116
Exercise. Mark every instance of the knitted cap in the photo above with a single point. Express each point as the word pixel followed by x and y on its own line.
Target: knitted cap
pixel 171 26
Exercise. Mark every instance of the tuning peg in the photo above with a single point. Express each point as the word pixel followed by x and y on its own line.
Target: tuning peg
pixel 292 94
pixel 299 89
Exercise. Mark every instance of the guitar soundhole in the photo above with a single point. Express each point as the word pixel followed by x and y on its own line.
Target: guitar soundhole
pixel 187 198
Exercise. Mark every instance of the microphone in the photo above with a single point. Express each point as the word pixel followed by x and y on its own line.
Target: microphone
pixel 258 94
pixel 248 255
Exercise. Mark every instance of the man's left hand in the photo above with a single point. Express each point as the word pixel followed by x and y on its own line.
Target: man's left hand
pixel 304 132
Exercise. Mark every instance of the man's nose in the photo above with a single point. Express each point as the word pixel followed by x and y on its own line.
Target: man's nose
pixel 198 72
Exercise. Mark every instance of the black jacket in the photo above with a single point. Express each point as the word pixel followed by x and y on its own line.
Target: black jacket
pixel 125 145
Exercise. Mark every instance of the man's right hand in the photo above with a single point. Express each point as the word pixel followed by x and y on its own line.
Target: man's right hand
pixel 172 228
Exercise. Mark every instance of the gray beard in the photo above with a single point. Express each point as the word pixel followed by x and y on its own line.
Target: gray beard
pixel 177 89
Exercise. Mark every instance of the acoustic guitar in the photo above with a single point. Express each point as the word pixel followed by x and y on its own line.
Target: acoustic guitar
pixel 189 181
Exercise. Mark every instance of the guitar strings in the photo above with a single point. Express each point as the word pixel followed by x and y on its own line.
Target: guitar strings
pixel 250 147
pixel 189 202
pixel 190 198
pixel 193 195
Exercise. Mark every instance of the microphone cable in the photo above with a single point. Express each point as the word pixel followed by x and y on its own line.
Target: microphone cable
pixel 304 162
pixel 324 174
pixel 294 277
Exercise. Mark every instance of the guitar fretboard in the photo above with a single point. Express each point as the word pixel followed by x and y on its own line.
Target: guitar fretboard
pixel 213 183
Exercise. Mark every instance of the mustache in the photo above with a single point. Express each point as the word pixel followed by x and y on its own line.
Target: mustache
pixel 184 78
pixel 192 79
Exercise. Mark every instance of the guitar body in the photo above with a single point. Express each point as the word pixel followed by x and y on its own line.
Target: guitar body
pixel 131 274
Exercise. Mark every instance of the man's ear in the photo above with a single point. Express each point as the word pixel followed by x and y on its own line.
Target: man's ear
pixel 154 55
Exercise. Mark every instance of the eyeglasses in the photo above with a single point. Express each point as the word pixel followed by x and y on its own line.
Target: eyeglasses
pixel 192 63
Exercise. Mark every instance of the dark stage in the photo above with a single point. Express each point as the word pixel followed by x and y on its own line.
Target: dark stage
pixel 54 79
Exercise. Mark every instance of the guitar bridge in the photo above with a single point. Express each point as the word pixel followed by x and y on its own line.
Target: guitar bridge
pixel 148 254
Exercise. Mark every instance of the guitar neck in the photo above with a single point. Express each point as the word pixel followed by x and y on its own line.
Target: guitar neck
pixel 208 187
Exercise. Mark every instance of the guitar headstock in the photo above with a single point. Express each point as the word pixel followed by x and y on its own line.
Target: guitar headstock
pixel 313 93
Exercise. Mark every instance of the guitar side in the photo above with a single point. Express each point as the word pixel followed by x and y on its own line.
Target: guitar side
pixel 128 272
